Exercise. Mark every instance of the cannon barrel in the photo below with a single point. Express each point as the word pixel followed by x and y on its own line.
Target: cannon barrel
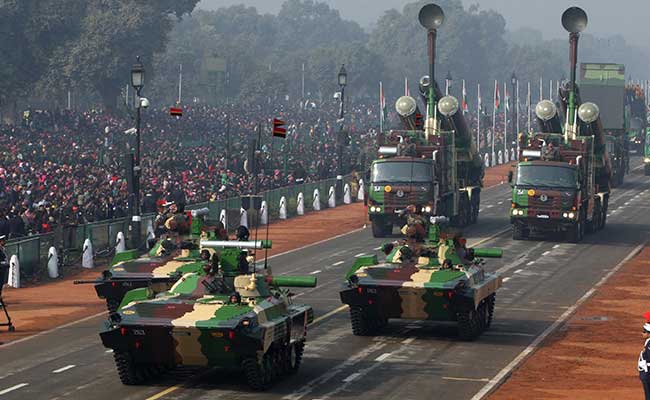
pixel 252 244
pixel 87 282
pixel 293 281
pixel 488 252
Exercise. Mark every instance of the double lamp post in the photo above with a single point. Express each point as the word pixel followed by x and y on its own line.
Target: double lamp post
pixel 342 135
pixel 137 81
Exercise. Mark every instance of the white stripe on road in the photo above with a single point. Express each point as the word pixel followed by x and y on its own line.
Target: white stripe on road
pixel 360 254
pixel 67 367
pixel 454 378
pixel 382 357
pixel 377 248
pixel 546 253
pixel 352 377
pixel 518 271
pixel 556 246
pixel 408 341
pixel 529 263
pixel 11 389
pixel 338 263
pixel 506 279
pixel 318 271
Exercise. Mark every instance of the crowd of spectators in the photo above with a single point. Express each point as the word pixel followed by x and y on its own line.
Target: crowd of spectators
pixel 69 167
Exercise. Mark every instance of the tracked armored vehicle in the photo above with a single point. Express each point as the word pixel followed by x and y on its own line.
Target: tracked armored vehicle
pixel 174 254
pixel 435 279
pixel 227 318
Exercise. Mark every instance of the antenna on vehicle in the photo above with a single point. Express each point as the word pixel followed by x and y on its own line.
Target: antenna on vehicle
pixel 257 187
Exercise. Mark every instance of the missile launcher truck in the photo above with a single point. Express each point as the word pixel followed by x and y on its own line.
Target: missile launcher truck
pixel 226 318
pixel 433 163
pixel 562 178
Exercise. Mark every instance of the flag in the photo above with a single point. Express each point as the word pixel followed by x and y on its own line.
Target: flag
pixel 278 128
pixel 176 111
pixel 497 96
pixel 507 96
pixel 382 107
pixel 464 100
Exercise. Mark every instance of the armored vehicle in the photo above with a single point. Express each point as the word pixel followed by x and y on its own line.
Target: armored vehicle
pixel 433 278
pixel 231 318
pixel 562 179
pixel 433 163
pixel 175 253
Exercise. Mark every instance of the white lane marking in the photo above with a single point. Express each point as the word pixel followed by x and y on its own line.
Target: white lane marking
pixel 530 263
pixel 67 367
pixel 499 203
pixel 408 341
pixel 338 263
pixel 360 254
pixel 518 271
pixel 497 333
pixel 547 252
pixel 109 351
pixel 480 209
pixel 489 206
pixel 506 371
pixel 352 377
pixel 11 389
pixel 377 248
pixel 318 271
pixel 506 279
pixel 556 246
pixel 455 378
pixel 383 357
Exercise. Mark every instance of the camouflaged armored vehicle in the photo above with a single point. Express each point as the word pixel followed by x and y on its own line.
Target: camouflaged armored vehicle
pixel 175 253
pixel 432 278
pixel 229 318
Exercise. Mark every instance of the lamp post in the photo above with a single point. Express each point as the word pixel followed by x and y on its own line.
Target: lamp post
pixel 515 112
pixel 137 81
pixel 343 81
pixel 448 79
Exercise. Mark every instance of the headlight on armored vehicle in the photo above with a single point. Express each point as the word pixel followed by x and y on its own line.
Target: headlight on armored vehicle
pixel 516 211
pixel 571 215
pixel 646 159
pixel 426 209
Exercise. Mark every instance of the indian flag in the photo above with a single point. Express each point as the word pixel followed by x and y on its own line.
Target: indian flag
pixel 497 96
pixel 464 100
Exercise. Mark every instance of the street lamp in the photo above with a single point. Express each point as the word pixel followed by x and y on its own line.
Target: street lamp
pixel 343 81
pixel 515 112
pixel 137 81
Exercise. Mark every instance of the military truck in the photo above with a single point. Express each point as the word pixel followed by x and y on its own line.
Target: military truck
pixel 636 113
pixel 562 178
pixel 604 84
pixel 433 163
pixel 226 317
pixel 435 279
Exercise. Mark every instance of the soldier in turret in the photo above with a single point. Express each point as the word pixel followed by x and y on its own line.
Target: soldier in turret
pixel 416 223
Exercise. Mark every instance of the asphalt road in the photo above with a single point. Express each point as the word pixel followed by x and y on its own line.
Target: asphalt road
pixel 412 360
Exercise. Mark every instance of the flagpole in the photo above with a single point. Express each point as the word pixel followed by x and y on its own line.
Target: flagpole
pixel 550 90
pixel 494 120
pixel 478 120
pixel 517 109
pixel 381 108
pixel 529 100
pixel 180 82
pixel 505 119
pixel 541 89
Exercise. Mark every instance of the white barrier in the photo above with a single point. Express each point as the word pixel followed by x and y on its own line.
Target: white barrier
pixel 52 263
pixel 120 243
pixel 500 157
pixel 361 194
pixel 283 208
pixel 487 160
pixel 316 202
pixel 513 155
pixel 87 255
pixel 264 213
pixel 493 159
pixel 347 196
pixel 150 233
pixel 14 272
pixel 300 208
pixel 223 218
pixel 331 198
pixel 243 217
pixel 506 156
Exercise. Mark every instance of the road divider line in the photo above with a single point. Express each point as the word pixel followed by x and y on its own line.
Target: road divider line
pixel 318 271
pixel 67 367
pixel 530 263
pixel 506 279
pixel 352 377
pixel 502 375
pixel 547 252
pixel 408 341
pixel 329 314
pixel 383 357
pixel 11 389
pixel 164 392
pixel 454 378
pixel 360 254
pixel 556 246
pixel 338 263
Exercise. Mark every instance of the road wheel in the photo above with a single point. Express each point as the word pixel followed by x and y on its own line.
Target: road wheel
pixel 295 356
pixel 482 316
pixel 491 300
pixel 255 374
pixel 128 371
pixel 519 232
pixel 468 324
pixel 576 232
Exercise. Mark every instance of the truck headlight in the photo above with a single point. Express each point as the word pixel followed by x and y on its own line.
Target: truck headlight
pixel 565 215
pixel 571 215
pixel 646 159
pixel 426 209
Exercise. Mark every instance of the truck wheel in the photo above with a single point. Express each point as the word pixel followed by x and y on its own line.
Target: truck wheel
pixel 295 356
pixel 646 170
pixel 491 300
pixel 256 373
pixel 519 232
pixel 576 233
pixel 468 324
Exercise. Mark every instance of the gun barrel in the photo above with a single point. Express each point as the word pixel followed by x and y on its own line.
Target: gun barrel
pixel 294 281
pixel 252 244
pixel 488 252
pixel 86 282
pixel 200 212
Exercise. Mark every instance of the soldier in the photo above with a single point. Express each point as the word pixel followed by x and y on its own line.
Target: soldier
pixel 220 231
pixel 4 261
pixel 644 358
pixel 415 224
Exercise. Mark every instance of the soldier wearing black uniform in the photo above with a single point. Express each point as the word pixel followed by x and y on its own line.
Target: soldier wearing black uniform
pixel 644 360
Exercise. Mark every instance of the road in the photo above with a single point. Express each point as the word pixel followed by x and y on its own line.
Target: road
pixel 412 360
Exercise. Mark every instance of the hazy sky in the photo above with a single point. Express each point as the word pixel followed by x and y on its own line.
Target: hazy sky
pixel 606 17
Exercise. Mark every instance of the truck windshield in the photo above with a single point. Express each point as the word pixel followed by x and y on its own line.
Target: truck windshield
pixel 402 172
pixel 546 175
